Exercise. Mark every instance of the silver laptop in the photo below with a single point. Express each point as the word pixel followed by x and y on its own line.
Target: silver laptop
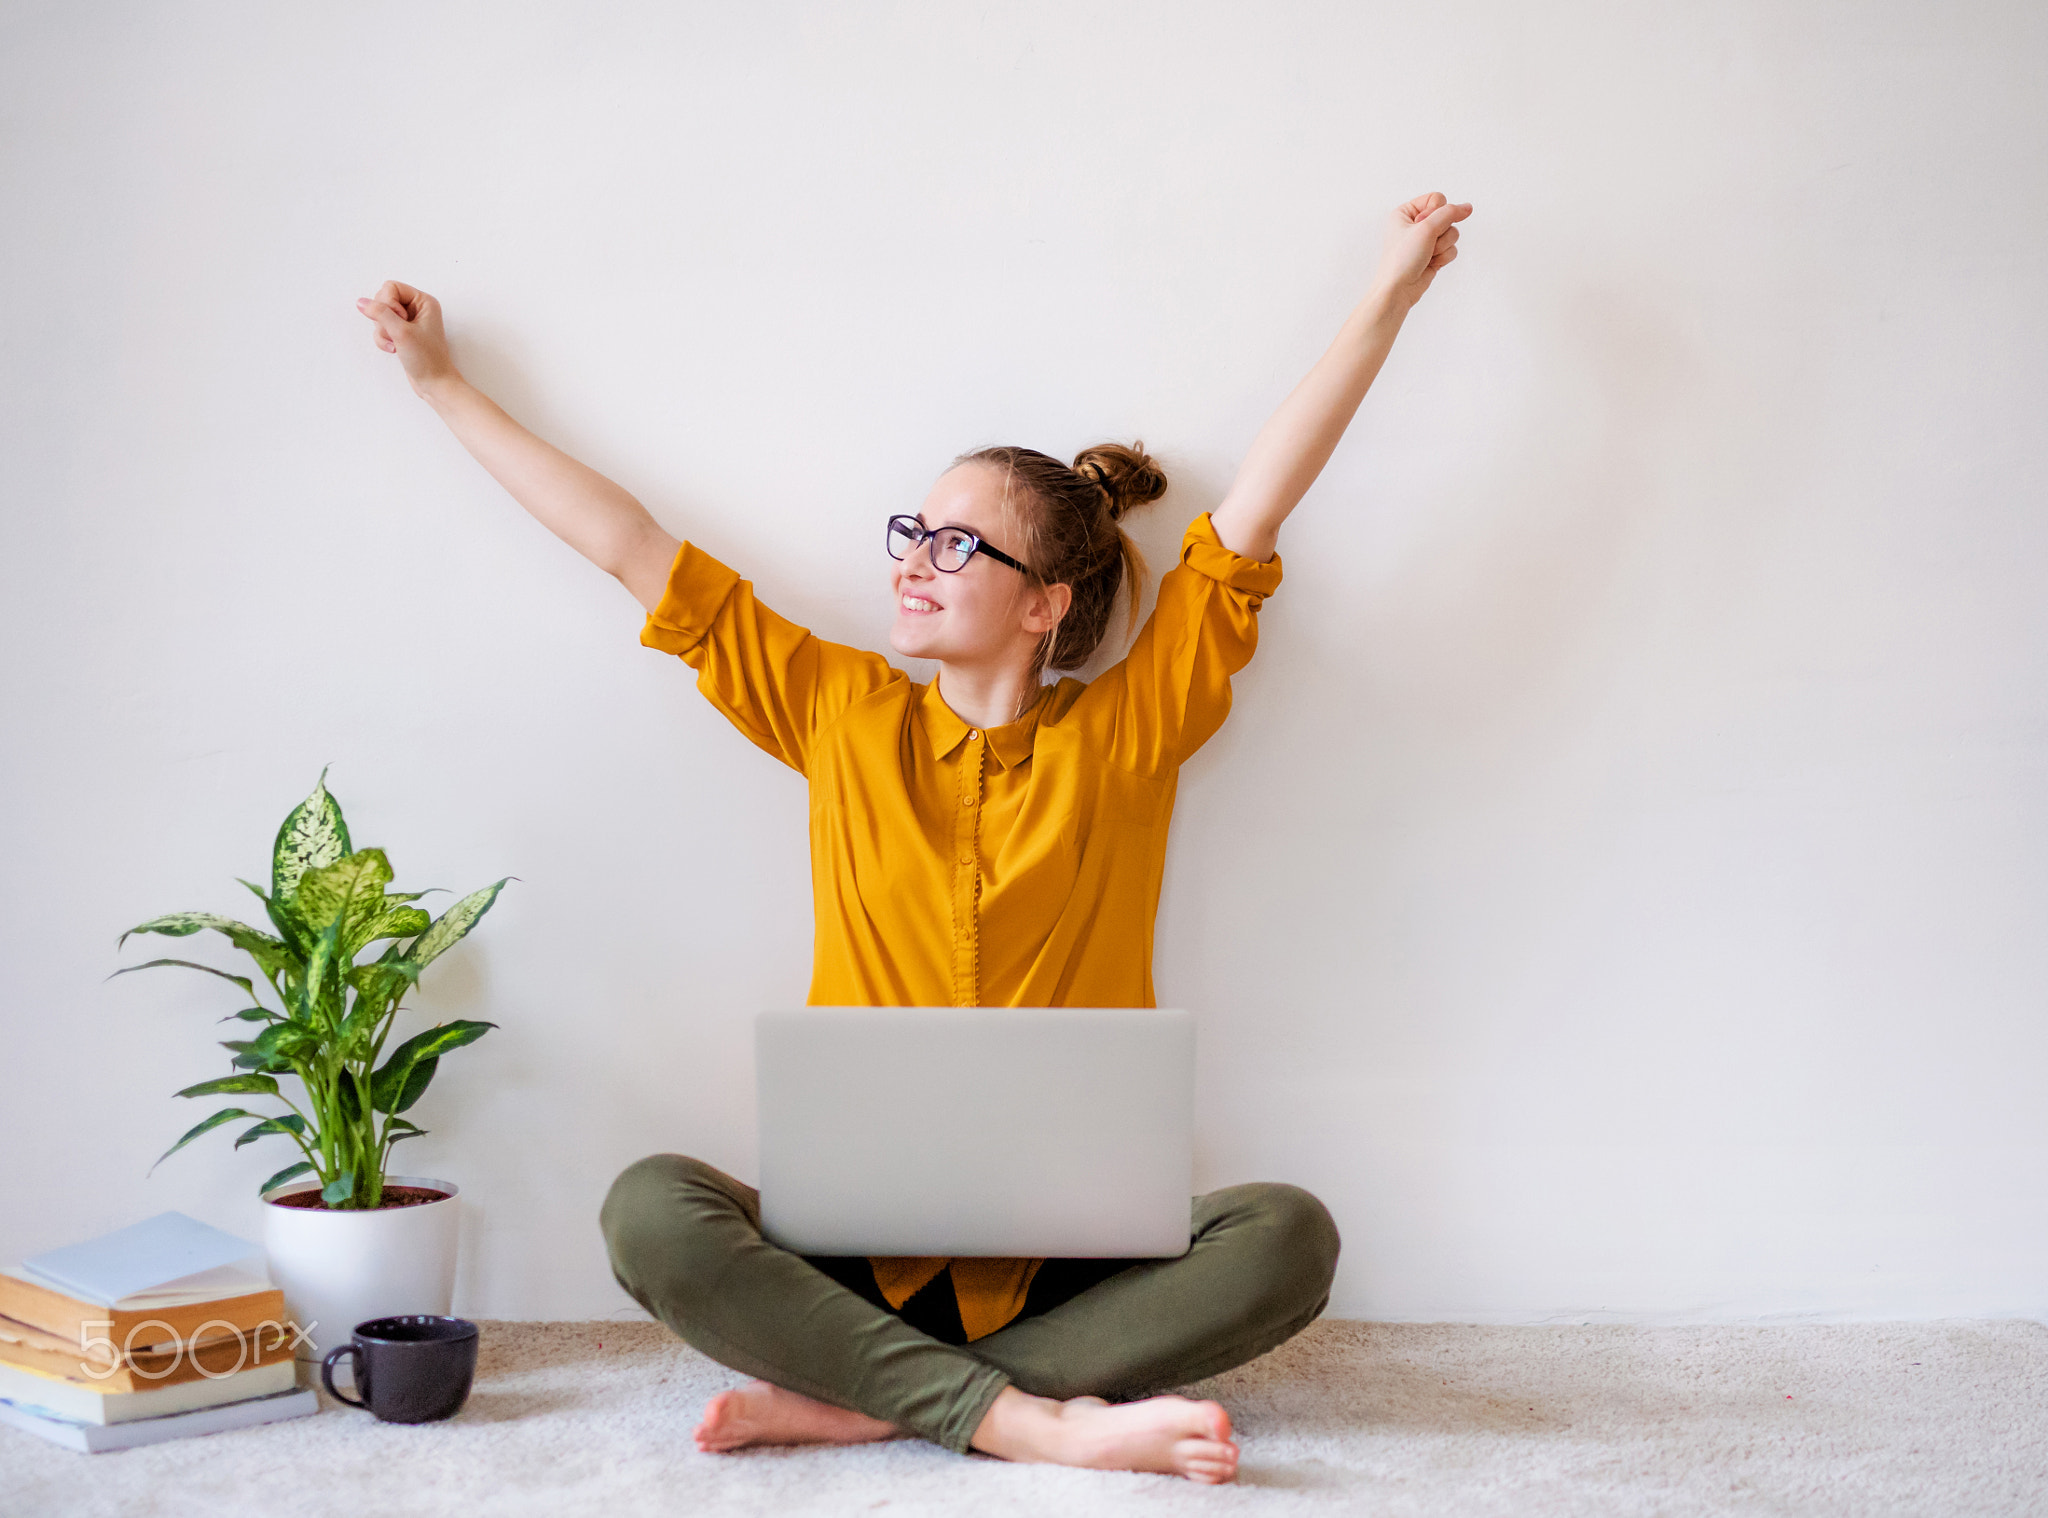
pixel 1027 1131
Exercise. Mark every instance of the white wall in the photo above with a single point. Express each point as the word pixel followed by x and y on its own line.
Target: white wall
pixel 1619 890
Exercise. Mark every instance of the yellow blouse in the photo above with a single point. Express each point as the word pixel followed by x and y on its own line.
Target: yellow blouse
pixel 950 866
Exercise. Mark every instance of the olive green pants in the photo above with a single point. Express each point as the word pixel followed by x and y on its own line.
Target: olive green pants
pixel 685 1242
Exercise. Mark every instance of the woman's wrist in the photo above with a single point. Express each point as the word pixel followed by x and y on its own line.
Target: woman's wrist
pixel 1374 323
pixel 439 390
pixel 1384 303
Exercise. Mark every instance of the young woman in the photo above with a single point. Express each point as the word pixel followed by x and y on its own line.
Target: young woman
pixel 986 840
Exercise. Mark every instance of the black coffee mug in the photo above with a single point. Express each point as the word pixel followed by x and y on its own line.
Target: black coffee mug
pixel 411 1369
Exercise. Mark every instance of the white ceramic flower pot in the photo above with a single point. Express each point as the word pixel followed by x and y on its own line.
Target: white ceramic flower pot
pixel 339 1269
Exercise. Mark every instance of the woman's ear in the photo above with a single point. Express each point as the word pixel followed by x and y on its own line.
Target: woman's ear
pixel 1048 607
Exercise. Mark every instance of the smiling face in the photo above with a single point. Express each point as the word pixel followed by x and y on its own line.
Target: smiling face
pixel 987 614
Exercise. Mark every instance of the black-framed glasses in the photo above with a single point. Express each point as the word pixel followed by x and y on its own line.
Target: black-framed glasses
pixel 952 547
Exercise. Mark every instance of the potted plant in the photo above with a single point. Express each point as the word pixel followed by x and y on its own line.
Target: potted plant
pixel 346 1240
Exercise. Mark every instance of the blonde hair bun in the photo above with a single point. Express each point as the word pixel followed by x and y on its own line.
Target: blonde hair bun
pixel 1129 476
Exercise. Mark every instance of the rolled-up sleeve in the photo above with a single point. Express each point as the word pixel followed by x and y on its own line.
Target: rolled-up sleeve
pixel 775 681
pixel 1171 693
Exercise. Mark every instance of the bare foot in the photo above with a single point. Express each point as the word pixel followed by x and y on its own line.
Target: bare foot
pixel 1169 1434
pixel 763 1413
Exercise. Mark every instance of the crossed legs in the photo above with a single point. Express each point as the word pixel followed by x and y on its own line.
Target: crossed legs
pixel 685 1242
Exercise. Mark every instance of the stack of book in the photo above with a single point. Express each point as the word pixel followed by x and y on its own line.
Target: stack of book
pixel 159 1331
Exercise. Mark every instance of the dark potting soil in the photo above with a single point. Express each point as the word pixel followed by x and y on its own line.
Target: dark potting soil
pixel 394 1196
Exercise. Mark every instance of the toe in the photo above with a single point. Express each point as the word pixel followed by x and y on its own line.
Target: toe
pixel 1207 1455
pixel 715 1428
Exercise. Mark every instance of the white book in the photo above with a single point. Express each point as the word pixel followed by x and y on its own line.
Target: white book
pixel 93 1438
pixel 82 1402
pixel 164 1261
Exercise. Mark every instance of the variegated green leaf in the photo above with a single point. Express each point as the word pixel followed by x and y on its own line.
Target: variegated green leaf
pixel 288 1039
pixel 183 924
pixel 349 890
pixel 251 1015
pixel 340 1189
pixel 385 980
pixel 403 1078
pixel 225 1115
pixel 178 925
pixel 289 928
pixel 358 1030
pixel 449 927
pixel 275 1048
pixel 290 1172
pixel 392 922
pixel 276 961
pixel 240 980
pixel 233 1085
pixel 290 1123
pixel 314 982
pixel 312 836
pixel 408 1084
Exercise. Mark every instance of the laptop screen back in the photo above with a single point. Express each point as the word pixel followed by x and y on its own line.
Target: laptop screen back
pixel 1021 1131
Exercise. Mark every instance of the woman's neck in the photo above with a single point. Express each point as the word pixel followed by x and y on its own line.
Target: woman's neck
pixel 986 698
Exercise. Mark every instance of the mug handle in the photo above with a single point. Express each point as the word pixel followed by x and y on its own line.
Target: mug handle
pixel 327 1365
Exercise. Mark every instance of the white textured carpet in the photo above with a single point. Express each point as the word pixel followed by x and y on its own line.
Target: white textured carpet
pixel 1925 1419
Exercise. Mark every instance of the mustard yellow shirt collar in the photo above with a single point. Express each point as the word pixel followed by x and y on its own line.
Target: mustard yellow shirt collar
pixel 944 731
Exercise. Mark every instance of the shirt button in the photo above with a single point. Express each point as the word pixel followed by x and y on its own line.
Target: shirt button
pixel 973 732
pixel 967 801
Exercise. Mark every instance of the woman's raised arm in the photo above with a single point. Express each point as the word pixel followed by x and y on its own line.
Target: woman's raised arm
pixel 1293 446
pixel 592 515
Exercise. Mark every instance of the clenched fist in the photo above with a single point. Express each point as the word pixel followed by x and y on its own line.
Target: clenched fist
pixel 408 323
pixel 1420 240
